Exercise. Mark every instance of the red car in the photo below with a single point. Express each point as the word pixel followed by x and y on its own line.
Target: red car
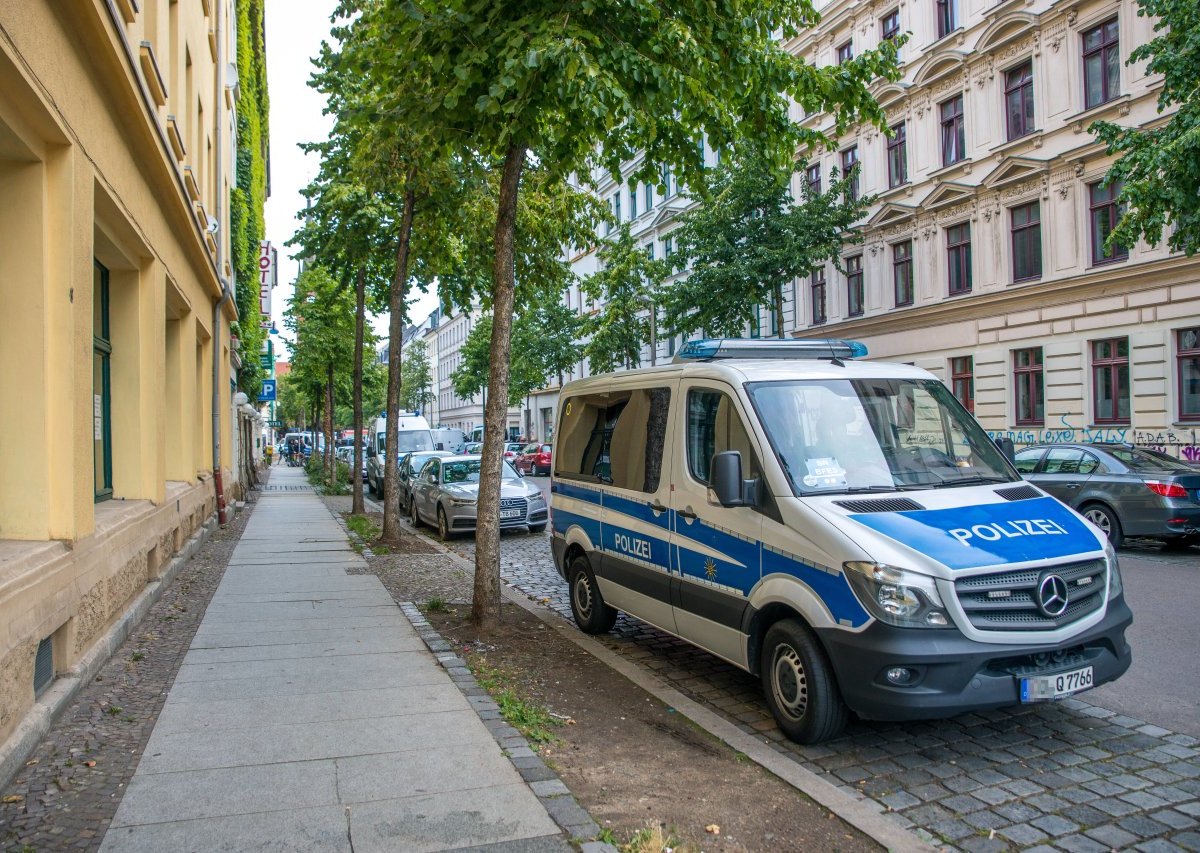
pixel 534 459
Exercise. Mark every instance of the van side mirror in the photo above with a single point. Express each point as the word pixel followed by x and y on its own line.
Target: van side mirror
pixel 1007 448
pixel 440 446
pixel 727 480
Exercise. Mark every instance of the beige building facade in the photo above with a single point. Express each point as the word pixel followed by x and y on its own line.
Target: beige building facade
pixel 984 258
pixel 115 169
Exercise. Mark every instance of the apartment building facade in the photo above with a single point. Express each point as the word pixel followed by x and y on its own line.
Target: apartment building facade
pixel 984 257
pixel 116 133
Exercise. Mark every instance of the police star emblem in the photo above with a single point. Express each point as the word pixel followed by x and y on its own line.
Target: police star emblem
pixel 710 569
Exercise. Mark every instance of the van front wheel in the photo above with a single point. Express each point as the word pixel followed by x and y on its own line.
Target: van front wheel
pixel 591 614
pixel 799 684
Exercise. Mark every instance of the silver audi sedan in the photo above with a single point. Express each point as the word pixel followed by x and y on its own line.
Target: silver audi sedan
pixel 446 490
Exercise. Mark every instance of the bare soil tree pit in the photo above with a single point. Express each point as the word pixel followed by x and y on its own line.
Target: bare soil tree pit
pixel 634 763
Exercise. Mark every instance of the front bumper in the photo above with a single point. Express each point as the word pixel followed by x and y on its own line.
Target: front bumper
pixel 464 518
pixel 955 674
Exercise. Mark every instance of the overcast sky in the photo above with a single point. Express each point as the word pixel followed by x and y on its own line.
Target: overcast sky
pixel 295 30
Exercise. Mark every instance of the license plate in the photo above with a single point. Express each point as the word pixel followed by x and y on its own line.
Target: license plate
pixel 1043 688
pixel 510 513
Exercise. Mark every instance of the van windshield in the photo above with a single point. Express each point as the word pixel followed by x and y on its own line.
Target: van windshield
pixel 407 441
pixel 874 435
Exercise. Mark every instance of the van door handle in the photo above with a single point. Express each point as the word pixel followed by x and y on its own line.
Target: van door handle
pixel 686 512
pixel 657 506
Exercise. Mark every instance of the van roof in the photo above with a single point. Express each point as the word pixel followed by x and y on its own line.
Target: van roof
pixel 739 371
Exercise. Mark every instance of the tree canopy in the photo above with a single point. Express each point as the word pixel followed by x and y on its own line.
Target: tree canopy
pixel 626 284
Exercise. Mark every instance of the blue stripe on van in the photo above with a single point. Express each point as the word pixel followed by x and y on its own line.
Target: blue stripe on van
pixel 565 520
pixel 569 490
pixel 831 588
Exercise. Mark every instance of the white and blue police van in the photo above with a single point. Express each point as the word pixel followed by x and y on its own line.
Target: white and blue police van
pixel 842 528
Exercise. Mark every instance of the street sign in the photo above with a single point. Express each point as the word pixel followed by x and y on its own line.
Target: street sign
pixel 265 360
pixel 267 394
pixel 274 423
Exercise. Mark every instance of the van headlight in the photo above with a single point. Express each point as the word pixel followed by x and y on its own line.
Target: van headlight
pixel 898 597
pixel 1115 587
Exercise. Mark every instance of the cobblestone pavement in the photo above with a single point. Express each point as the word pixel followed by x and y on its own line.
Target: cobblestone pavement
pixel 1067 776
pixel 67 794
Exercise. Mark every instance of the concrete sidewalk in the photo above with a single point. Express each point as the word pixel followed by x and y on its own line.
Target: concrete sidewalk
pixel 308 715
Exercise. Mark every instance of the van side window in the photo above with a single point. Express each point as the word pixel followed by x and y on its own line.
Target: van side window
pixel 713 426
pixel 581 437
pixel 635 434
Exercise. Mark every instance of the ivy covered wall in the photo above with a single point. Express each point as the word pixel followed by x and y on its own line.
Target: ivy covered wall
pixel 247 199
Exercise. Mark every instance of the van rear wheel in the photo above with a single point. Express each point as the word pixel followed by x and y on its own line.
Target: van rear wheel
pixel 591 614
pixel 799 685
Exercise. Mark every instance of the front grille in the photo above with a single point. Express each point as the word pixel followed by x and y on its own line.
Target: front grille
pixel 880 505
pixel 1007 601
pixel 1019 493
pixel 513 503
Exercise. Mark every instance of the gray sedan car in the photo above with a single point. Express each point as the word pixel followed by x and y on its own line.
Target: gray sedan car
pixel 446 490
pixel 1123 490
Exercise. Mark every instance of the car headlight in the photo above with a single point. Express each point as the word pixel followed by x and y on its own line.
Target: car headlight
pixel 896 596
pixel 538 498
pixel 462 501
pixel 1115 587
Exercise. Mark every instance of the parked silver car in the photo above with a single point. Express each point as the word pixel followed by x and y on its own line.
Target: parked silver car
pixel 446 490
pixel 345 455
pixel 1123 490
pixel 410 466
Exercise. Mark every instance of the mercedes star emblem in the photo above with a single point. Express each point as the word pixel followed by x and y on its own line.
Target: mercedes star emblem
pixel 1052 596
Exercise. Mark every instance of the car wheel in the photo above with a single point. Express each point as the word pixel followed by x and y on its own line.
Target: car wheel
pixel 591 614
pixel 799 684
pixel 413 515
pixel 1106 520
pixel 443 525
pixel 537 528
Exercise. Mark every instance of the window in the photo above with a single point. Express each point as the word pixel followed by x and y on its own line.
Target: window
pixel 1029 391
pixel 648 190
pixel 947 17
pixel 1027 460
pixel 1110 380
pixel 668 246
pixel 812 177
pixel 845 52
pixel 101 384
pixel 817 290
pixel 1101 64
pixel 633 200
pixel 1105 214
pixel 902 273
pixel 897 153
pixel 1026 241
pixel 650 250
pixel 954 134
pixel 854 286
pixel 1018 100
pixel 616 206
pixel 850 170
pixel 713 426
pixel 889 26
pixel 962 381
pixel 1069 460
pixel 1187 355
pixel 958 258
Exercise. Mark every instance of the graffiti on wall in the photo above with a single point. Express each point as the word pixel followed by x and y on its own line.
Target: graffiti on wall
pixel 1182 444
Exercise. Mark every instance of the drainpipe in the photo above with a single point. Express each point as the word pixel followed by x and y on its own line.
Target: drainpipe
pixel 226 290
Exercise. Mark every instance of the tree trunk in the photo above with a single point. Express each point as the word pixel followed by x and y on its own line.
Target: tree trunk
pixel 360 310
pixel 318 414
pixel 485 606
pixel 330 456
pixel 779 310
pixel 397 307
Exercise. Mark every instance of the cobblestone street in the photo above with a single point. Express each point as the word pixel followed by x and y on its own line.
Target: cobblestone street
pixel 1068 776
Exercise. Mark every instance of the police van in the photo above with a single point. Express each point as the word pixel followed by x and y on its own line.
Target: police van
pixel 844 529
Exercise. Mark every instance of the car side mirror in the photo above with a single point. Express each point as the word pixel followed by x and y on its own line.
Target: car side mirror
pixel 1007 448
pixel 727 482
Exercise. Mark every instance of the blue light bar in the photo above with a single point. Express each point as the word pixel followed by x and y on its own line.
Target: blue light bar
pixel 813 348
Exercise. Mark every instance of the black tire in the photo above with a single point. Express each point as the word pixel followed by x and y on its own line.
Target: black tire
pixel 1106 520
pixel 591 614
pixel 443 525
pixel 413 515
pixel 537 528
pixel 799 685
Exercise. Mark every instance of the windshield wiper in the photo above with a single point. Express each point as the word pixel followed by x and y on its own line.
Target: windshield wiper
pixel 974 480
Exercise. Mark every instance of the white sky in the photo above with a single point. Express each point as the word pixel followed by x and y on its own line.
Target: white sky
pixel 295 30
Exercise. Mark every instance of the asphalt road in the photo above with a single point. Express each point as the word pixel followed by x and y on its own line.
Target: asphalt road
pixel 1163 589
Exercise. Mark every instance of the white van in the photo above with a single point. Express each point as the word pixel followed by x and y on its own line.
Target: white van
pixel 413 433
pixel 844 529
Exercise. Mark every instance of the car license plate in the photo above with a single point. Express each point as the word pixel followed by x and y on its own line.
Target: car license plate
pixel 1043 688
pixel 510 513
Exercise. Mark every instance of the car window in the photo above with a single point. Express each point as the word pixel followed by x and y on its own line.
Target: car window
pixel 1089 464
pixel 1142 460
pixel 714 426
pixel 1063 460
pixel 545 448
pixel 1027 460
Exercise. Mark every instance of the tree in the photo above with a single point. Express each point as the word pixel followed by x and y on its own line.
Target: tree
pixel 416 379
pixel 626 283
pixel 1159 168
pixel 749 239
pixel 566 82
pixel 543 346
